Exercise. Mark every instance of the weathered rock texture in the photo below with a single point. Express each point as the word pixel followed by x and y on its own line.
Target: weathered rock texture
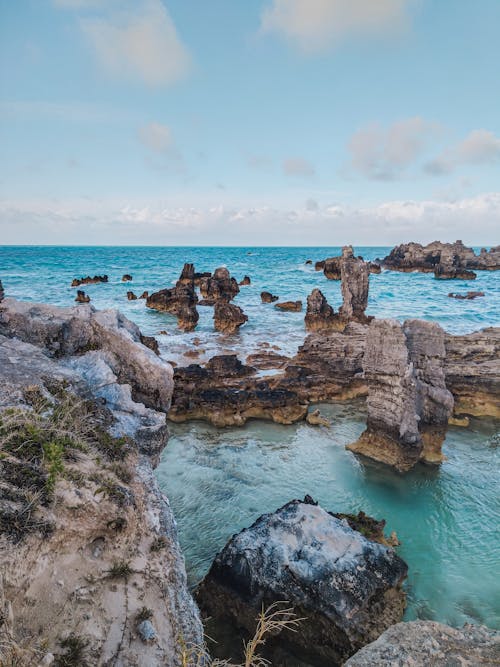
pixel 469 295
pixel 320 314
pixel 267 297
pixel 180 300
pixel 227 393
pixel 331 267
pixel 126 278
pixel 346 588
pixel 472 369
pixel 89 281
pixel 131 296
pixel 291 306
pixel 2 293
pixel 85 563
pixel 445 260
pixel 355 274
pixel 219 287
pixel 425 643
pixel 81 297
pixel 228 318
pixel 408 403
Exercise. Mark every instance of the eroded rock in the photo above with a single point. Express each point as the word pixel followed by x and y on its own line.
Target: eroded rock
pixel 291 306
pixel 448 260
pixel 469 295
pixel 267 297
pixel 346 588
pixel 320 314
pixel 89 281
pixel 81 297
pixel 228 318
pixel 219 287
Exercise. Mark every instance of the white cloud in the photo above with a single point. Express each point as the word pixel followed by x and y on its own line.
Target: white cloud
pixel 316 25
pixel 140 43
pixel 384 153
pixel 480 147
pixel 298 166
pixel 78 4
pixel 475 219
pixel 156 137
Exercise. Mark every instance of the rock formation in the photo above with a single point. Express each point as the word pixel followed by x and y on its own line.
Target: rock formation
pixel 131 296
pixel 246 281
pixel 228 318
pixel 267 297
pixel 408 403
pixel 424 643
pixel 355 274
pixel 472 370
pixel 187 275
pixel 469 295
pixel 126 278
pixel 320 314
pixel 81 297
pixel 2 293
pixel 442 258
pixel 291 306
pixel 220 286
pixel 450 272
pixel 331 266
pixel 345 588
pixel 227 393
pixel 89 281
pixel 180 300
pixel 83 557
pixel 144 295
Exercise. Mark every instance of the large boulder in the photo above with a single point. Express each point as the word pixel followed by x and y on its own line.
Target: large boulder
pixel 408 402
pixel 219 287
pixel 228 318
pixel 355 274
pixel 320 314
pixel 425 643
pixel 345 588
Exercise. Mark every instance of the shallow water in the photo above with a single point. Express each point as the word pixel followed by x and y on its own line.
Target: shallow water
pixel 220 481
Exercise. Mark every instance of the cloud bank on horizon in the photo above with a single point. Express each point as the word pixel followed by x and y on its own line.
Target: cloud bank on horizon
pixel 304 122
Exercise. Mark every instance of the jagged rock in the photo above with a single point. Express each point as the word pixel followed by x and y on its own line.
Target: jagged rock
pixel 446 272
pixel 89 281
pixel 469 295
pixel 472 370
pixel 308 261
pixel 408 403
pixel 144 295
pixel 220 286
pixel 315 418
pixel 180 301
pixel 355 275
pixel 320 314
pixel 151 342
pixel 81 297
pixel 291 306
pixel 425 643
pixel 131 296
pixel 319 266
pixel 198 277
pixel 226 393
pixel 2 293
pixel 228 318
pixel 246 280
pixel 126 278
pixel 346 588
pixel 331 268
pixel 267 297
pixel 415 257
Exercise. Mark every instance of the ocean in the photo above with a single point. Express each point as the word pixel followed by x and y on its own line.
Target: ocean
pixel 220 480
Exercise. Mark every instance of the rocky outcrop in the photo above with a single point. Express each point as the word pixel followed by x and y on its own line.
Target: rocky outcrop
pixel 290 306
pixel 320 314
pixel 468 296
pixel 267 297
pixel 187 275
pixel 472 370
pixel 448 272
pixel 227 393
pixel 331 266
pixel 131 296
pixel 144 295
pixel 408 403
pixel 180 301
pixel 95 548
pixel 219 287
pixel 245 281
pixel 424 643
pixel 445 259
pixel 228 318
pixel 126 278
pixel 81 297
pixel 345 588
pixel 89 281
pixel 355 274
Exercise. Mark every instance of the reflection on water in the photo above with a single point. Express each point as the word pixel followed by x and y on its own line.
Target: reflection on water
pixel 221 480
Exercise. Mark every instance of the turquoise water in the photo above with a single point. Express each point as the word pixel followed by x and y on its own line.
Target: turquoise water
pixel 219 481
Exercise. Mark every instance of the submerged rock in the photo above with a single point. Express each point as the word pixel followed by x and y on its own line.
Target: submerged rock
pixel 228 318
pixel 408 402
pixel 267 297
pixel 345 588
pixel 315 418
pixel 81 297
pixel 292 306
pixel 469 295
pixel 425 643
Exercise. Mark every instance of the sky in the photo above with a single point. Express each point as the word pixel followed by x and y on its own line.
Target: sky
pixel 249 122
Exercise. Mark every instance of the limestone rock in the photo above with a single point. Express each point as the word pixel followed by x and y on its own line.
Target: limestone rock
pixel 424 643
pixel 228 318
pixel 144 295
pixel 81 297
pixel 89 281
pixel 180 301
pixel 355 274
pixel 245 281
pixel 445 258
pixel 469 295
pixel 408 403
pixel 291 306
pixel 346 588
pixel 267 297
pixel 131 296
pixel 315 418
pixel 126 278
pixel 320 314
pixel 219 287
pixel 2 293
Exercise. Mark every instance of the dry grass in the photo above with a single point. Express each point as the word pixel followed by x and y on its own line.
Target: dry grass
pixel 270 622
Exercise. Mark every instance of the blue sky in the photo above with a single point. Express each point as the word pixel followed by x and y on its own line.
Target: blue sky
pixel 249 122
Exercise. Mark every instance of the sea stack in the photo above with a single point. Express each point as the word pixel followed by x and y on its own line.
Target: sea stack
pixel 408 402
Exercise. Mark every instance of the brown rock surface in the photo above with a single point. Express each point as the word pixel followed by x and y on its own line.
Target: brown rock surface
pixel 220 286
pixel 131 296
pixel 355 274
pixel 126 278
pixel 443 257
pixel 228 318
pixel 81 297
pixel 319 314
pixel 89 281
pixel 267 297
pixel 469 295
pixel 291 306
